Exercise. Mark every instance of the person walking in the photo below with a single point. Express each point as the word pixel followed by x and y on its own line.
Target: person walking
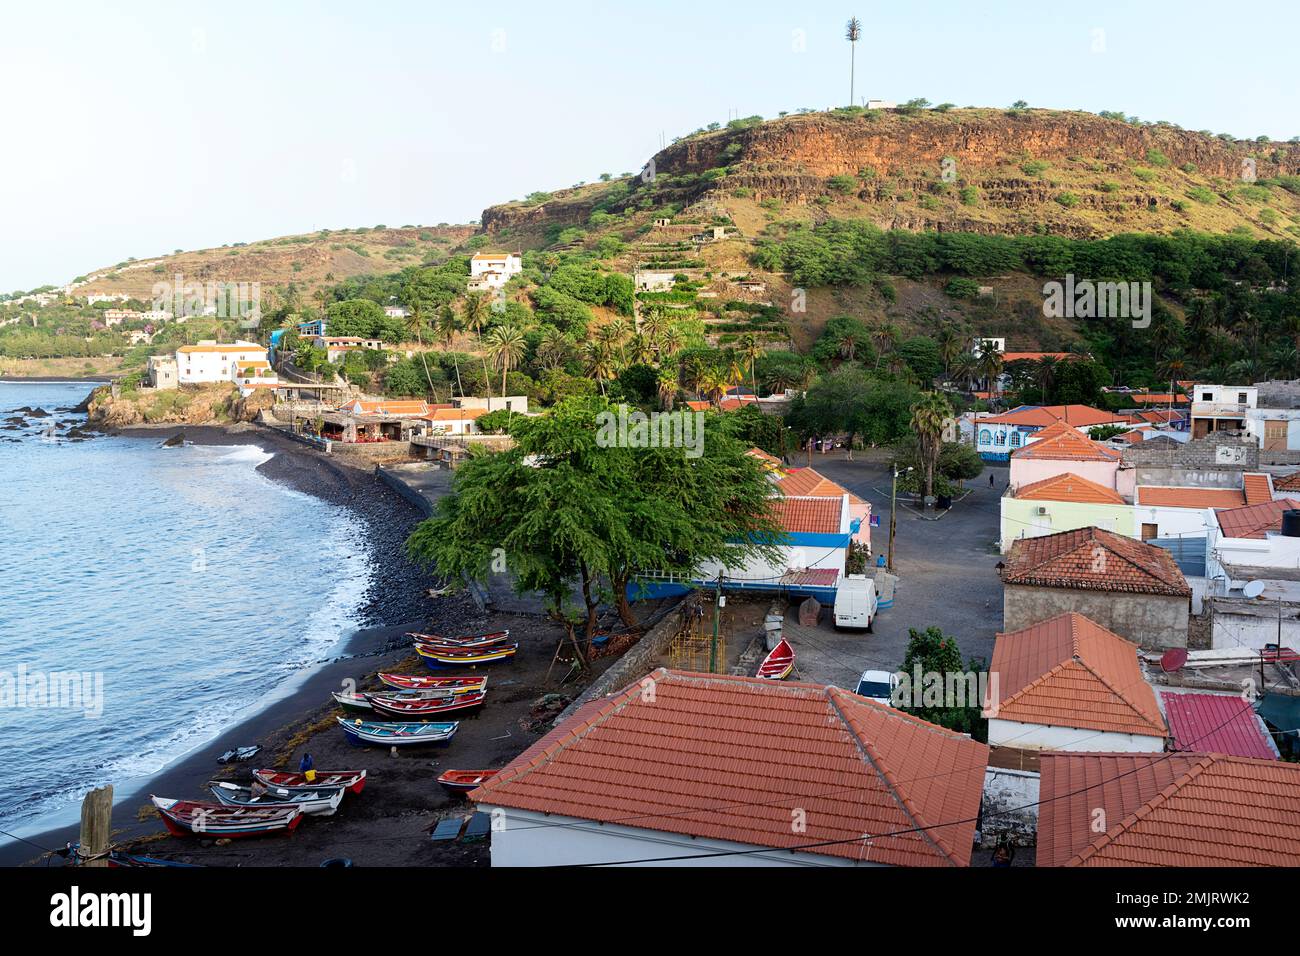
pixel 990 479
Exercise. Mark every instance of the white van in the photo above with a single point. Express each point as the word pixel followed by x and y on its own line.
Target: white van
pixel 855 602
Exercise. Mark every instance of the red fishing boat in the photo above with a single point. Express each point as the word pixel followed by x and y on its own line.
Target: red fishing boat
pixel 464 643
pixel 779 663
pixel 191 817
pixel 416 708
pixel 453 685
pixel 464 780
pixel 435 657
pixel 351 780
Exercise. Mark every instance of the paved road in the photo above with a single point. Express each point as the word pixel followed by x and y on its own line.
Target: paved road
pixel 947 575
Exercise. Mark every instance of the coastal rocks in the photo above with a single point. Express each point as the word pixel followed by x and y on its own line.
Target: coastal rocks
pixel 218 403
pixel 176 441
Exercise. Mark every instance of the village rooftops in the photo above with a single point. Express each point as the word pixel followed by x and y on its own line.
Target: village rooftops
pixel 398 408
pixel 1069 487
pixel 1069 671
pixel 212 346
pixel 1036 356
pixel 1254 521
pixel 726 758
pixel 1062 442
pixel 1158 496
pixel 1257 487
pixel 1172 809
pixel 1217 723
pixel 1094 560
pixel 809 515
pixel 806 482
pixel 1289 482
pixel 1040 416
pixel 455 414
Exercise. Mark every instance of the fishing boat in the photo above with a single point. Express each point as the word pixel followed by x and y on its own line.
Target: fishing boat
pixel 779 662
pixel 350 780
pixel 463 780
pixel 436 657
pixel 454 685
pixel 466 642
pixel 396 734
pixel 418 708
pixel 193 818
pixel 322 803
pixel 351 701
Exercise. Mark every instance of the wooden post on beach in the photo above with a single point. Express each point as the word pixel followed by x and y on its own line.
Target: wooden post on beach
pixel 96 816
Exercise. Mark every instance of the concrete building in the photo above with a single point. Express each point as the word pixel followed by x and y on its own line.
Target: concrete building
pixel 492 270
pixel 453 421
pixel 337 347
pixel 1129 587
pixel 210 361
pixel 1221 408
pixel 684 769
pixel 650 281
pixel 997 436
pixel 805 482
pixel 161 371
pixel 1067 683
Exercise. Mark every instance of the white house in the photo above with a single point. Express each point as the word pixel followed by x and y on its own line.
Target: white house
pixel 338 346
pixel 210 361
pixel 1221 408
pixel 394 312
pixel 686 769
pixel 1067 683
pixel 492 270
pixel 454 421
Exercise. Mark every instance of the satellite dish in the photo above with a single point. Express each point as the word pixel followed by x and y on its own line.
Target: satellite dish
pixel 1173 659
pixel 1253 589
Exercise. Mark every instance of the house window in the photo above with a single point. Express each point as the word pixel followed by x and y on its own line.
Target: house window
pixel 1207 396
pixel 1015 439
pixel 986 437
pixel 1002 438
pixel 1241 398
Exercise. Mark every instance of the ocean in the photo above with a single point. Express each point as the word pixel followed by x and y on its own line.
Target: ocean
pixel 150 597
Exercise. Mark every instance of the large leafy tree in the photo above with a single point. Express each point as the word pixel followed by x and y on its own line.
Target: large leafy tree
pixel 929 416
pixel 571 515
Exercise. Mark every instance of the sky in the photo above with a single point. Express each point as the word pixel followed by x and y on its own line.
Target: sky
pixel 132 129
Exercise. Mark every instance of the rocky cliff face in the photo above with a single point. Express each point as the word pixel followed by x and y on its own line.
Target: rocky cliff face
pixel 190 405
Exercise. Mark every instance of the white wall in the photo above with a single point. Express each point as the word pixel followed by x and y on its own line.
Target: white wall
pixel 1013 733
pixel 535 839
pixel 1174 522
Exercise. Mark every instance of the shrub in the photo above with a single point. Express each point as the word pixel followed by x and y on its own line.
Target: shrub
pixel 1201 194
pixel 1068 200
pixel 1157 158
pixel 1034 167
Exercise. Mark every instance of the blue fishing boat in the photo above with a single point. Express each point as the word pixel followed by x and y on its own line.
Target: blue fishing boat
pixel 395 733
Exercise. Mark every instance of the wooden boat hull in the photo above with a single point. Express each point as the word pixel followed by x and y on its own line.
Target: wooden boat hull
pixel 192 818
pixel 396 708
pixel 354 702
pixel 496 638
pixel 320 803
pixel 779 663
pixel 437 658
pixel 353 781
pixel 456 685
pixel 397 733
pixel 463 781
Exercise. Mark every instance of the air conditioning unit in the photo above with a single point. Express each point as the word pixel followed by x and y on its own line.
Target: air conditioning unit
pixel 1042 510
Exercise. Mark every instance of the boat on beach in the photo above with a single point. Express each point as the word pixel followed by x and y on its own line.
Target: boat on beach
pixel 322 803
pixel 779 662
pixel 462 781
pixel 395 733
pixel 455 685
pixel 194 818
pixel 418 708
pixel 438 657
pixel 351 780
pixel 348 701
pixel 464 642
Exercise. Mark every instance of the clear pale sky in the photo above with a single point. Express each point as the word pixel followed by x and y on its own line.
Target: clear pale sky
pixel 136 128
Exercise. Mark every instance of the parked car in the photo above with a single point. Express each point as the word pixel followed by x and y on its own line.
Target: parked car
pixel 878 686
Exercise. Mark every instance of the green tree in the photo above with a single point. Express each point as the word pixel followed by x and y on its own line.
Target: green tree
pixel 929 417
pixel 935 656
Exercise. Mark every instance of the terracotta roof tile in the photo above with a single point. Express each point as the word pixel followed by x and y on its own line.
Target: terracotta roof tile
pixel 1162 497
pixel 1069 671
pixel 1216 723
pixel 1080 416
pixel 1170 809
pixel 764 457
pixel 1254 521
pixel 1035 356
pixel 810 483
pixel 1095 560
pixel 808 515
pixel 727 758
pixel 1257 488
pixel 1289 482
pixel 1069 487
pixel 1063 442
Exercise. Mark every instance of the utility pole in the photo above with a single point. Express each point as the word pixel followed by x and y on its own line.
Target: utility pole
pixel 717 616
pixel 893 510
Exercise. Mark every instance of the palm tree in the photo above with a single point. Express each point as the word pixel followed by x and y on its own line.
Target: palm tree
pixel 950 346
pixel 990 365
pixel 750 349
pixel 640 350
pixel 846 346
pixel 598 358
pixel 853 33
pixel 966 370
pixel 671 341
pixel 475 312
pixel 666 382
pixel 653 323
pixel 554 349
pixel 415 323
pixel 929 416
pixel 446 330
pixel 505 346
pixel 1173 367
pixel 885 336
pixel 713 383
pixel 1045 370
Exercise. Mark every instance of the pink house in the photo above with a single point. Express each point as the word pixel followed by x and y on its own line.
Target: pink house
pixel 1060 448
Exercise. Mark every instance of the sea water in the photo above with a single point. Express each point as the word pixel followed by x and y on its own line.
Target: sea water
pixel 182 583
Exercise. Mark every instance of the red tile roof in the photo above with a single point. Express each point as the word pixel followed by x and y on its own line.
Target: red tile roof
pixel 1069 487
pixel 1062 442
pixel 1158 398
pixel 1094 560
pixel 808 515
pixel 1254 521
pixel 1289 482
pixel 1035 356
pixel 1080 416
pixel 1216 723
pixel 1170 809
pixel 810 483
pixel 1069 671
pixel 1257 488
pixel 1162 497
pixel 729 758
pixel 764 457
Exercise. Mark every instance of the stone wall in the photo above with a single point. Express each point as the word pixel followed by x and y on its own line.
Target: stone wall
pixel 1198 463
pixel 1010 807
pixel 1156 621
